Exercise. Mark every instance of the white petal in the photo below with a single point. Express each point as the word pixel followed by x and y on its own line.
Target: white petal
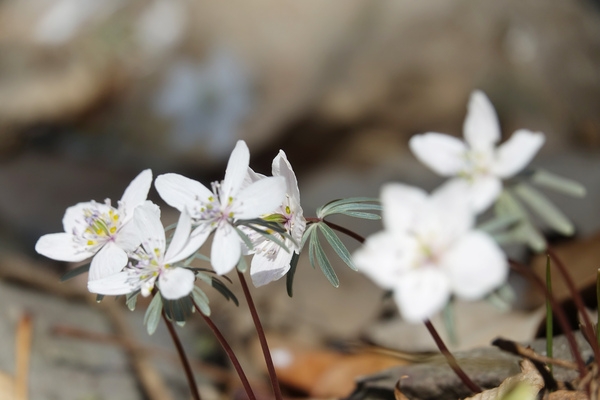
pixel 175 283
pixel 514 154
pixel 483 192
pixel 282 167
pixel 260 198
pixel 481 128
pixel 128 238
pixel 180 192
pixel 226 249
pixel 113 285
pixel 385 258
pixel 400 203
pixel 109 260
pixel 237 168
pixel 265 269
pixel 444 154
pixel 421 293
pixel 151 230
pixel 475 265
pixel 180 236
pixel 195 241
pixel 74 218
pixel 451 202
pixel 62 247
pixel 137 192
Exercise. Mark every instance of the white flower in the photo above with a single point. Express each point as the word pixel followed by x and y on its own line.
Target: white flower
pixel 270 261
pixel 218 209
pixel 151 262
pixel 99 230
pixel 428 251
pixel 478 165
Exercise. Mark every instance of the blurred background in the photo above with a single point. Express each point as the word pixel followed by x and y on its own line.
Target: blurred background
pixel 91 93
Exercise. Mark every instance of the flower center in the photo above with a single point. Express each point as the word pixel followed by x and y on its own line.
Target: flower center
pixel 215 209
pixel 477 162
pixel 101 226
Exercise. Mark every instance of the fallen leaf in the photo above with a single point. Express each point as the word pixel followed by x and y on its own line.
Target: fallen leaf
pixel 528 384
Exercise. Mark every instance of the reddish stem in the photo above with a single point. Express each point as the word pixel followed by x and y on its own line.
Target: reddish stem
pixel 262 338
pixel 184 361
pixel 587 326
pixel 450 359
pixel 232 357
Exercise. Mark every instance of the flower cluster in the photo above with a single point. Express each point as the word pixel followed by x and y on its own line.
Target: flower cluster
pixel 428 251
pixel 129 246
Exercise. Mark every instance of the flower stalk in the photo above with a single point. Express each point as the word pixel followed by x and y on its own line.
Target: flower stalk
pixel 184 361
pixel 261 337
pixel 230 353
pixel 450 359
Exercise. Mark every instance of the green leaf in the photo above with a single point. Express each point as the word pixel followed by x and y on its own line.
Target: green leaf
pixel 311 247
pixel 244 238
pixel 337 245
pixel 259 222
pixel 363 215
pixel 75 272
pixel 178 310
pixel 269 236
pixel 224 290
pixel 499 223
pixel 99 298
pixel 201 300
pixel 131 300
pixel 153 313
pixel 289 278
pixel 547 211
pixel 325 210
pixel 524 232
pixel 307 234
pixel 558 183
pixel 324 261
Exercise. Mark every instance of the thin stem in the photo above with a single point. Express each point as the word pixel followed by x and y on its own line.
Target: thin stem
pixel 560 313
pixel 450 359
pixel 184 361
pixel 339 228
pixel 261 338
pixel 232 357
pixel 587 326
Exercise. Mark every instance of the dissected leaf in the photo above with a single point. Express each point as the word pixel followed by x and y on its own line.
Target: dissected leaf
pixel 289 278
pixel 558 183
pixel 224 290
pixel 547 211
pixel 354 203
pixel 201 300
pixel 524 232
pixel 153 313
pixel 75 272
pixel 324 261
pixel 337 245
pixel 131 300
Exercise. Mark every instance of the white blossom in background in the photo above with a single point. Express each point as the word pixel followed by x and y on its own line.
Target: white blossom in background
pixel 151 263
pixel 217 209
pixel 429 251
pixel 270 261
pixel 477 165
pixel 99 230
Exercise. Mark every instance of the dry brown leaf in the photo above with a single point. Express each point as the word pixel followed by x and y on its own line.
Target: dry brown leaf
pixel 529 375
pixel 568 395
